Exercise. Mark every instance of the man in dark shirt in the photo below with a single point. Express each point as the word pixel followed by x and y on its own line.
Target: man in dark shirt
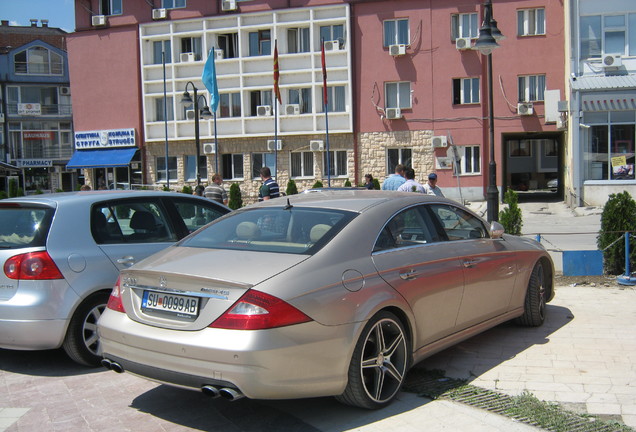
pixel 270 188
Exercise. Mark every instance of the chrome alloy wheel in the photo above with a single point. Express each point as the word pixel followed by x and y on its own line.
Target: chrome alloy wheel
pixel 89 329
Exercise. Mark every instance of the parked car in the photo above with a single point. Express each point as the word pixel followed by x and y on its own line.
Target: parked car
pixel 62 253
pixel 333 293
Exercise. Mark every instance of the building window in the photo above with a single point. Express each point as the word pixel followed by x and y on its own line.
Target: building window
pixel 232 166
pixel 191 45
pixel 333 33
pixel 173 4
pixel 470 159
pixel 259 160
pixel 465 91
pixel 530 22
pixel 160 163
pixel 230 104
pixel 336 99
pixel 159 109
pixel 531 88
pixel 464 25
pixel 302 97
pixel 259 98
pixel 302 164
pixel 608 34
pixel 609 145
pixel 260 43
pixel 398 156
pixel 38 61
pixel 110 7
pixel 46 97
pixel 337 163
pixel 228 43
pixel 298 40
pixel 190 168
pixel 397 94
pixel 396 32
pixel 159 49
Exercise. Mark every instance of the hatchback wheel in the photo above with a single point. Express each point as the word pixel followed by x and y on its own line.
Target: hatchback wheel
pixel 379 363
pixel 534 304
pixel 81 342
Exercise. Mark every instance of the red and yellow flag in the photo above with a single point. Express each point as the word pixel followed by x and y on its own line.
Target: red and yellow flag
pixel 324 73
pixel 276 74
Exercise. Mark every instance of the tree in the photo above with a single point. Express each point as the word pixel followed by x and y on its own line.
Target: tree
pixel 619 216
pixel 347 183
pixel 317 185
pixel 235 201
pixel 376 184
pixel 187 189
pixel 291 188
pixel 510 217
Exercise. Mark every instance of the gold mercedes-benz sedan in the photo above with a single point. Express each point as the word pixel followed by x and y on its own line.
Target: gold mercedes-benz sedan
pixel 333 293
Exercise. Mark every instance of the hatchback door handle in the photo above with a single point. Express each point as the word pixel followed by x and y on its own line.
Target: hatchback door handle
pixel 127 260
pixel 411 274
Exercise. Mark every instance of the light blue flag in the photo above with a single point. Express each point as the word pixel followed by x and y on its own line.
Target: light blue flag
pixel 209 80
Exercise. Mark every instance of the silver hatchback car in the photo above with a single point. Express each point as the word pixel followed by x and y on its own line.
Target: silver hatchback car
pixel 61 254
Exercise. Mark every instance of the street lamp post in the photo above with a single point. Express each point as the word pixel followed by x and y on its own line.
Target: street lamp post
pixel 203 112
pixel 486 43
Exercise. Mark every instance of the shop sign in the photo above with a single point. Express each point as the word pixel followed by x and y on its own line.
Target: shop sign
pixel 105 139
pixel 37 135
pixel 33 163
pixel 30 109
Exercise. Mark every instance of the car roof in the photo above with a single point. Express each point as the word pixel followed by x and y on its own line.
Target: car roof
pixel 92 196
pixel 353 199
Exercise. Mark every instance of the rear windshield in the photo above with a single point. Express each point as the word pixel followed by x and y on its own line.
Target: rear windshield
pixel 22 227
pixel 296 230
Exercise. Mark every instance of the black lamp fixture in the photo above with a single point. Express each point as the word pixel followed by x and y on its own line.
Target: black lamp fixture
pixel 204 112
pixel 489 34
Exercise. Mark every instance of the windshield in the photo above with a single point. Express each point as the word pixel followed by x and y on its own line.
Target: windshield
pixel 23 226
pixel 295 230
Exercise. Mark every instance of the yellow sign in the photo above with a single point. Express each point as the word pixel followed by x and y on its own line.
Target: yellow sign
pixel 619 161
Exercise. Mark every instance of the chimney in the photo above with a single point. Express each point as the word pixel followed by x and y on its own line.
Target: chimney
pixel 45 22
pixel 34 23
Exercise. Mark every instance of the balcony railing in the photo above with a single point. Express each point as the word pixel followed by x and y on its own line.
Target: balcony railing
pixel 46 110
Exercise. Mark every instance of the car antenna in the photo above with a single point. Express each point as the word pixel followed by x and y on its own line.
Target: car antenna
pixel 288 206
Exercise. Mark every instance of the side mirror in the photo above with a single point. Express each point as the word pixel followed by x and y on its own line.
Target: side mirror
pixel 496 230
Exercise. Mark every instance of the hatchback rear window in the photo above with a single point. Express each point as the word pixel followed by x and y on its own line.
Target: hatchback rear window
pixel 22 227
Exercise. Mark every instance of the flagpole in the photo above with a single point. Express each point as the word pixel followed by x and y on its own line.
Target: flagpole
pixel 277 100
pixel 216 147
pixel 326 106
pixel 209 81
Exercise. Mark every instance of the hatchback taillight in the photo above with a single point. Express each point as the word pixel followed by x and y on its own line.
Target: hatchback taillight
pixel 32 266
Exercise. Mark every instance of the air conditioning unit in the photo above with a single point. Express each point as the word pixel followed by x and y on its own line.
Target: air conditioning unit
pixel 316 145
pixel 65 91
pixel 190 114
pixel 332 45
pixel 263 110
pixel 463 43
pixel 525 108
pixel 209 148
pixel 612 61
pixel 228 5
pixel 187 57
pixel 439 141
pixel 397 50
pixel 274 145
pixel 158 14
pixel 98 20
pixel 218 54
pixel 393 113
pixel 292 109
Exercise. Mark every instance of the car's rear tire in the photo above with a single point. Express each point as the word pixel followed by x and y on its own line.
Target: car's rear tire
pixel 535 301
pixel 379 363
pixel 81 342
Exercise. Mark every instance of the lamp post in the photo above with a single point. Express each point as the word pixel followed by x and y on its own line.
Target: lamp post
pixel 486 43
pixel 203 112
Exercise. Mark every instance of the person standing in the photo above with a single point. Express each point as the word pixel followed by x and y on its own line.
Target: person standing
pixel 215 191
pixel 368 178
pixel 431 188
pixel 270 188
pixel 198 190
pixel 410 185
pixel 394 181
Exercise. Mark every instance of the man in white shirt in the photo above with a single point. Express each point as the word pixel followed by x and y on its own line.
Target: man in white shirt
pixel 410 185
pixel 430 187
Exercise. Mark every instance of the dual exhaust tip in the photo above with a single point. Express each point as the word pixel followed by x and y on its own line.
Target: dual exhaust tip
pixel 214 392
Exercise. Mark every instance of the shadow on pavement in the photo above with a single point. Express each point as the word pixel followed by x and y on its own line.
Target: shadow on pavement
pixel 49 363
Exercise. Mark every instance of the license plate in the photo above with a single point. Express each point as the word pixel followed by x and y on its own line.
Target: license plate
pixel 173 304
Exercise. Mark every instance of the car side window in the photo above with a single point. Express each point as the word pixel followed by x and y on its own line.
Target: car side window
pixel 197 214
pixel 131 222
pixel 407 228
pixel 457 223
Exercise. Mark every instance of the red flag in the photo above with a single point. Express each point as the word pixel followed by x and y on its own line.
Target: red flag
pixel 276 73
pixel 324 74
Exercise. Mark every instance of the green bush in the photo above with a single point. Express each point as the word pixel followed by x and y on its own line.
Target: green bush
pixel 376 184
pixel 619 216
pixel 510 217
pixel 166 188
pixel 3 195
pixel 347 183
pixel 317 185
pixel 235 201
pixel 187 189
pixel 14 189
pixel 291 188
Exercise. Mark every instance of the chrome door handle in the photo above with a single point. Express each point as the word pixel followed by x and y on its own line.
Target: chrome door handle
pixel 411 274
pixel 127 260
pixel 470 263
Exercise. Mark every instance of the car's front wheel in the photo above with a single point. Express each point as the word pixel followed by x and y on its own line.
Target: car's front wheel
pixel 379 363
pixel 81 343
